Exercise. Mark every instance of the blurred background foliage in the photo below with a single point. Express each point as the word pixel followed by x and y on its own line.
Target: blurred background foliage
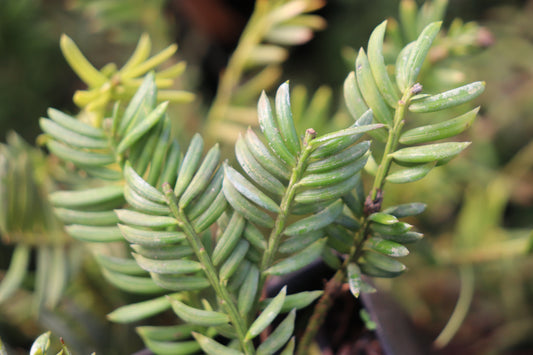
pixel 478 221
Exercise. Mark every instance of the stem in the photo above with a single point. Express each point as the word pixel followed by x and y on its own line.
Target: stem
pixel 252 35
pixel 276 234
pixel 331 291
pixel 392 143
pixel 210 271
pixel 460 311
pixel 335 283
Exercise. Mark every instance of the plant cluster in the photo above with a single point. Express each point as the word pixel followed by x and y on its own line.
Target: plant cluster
pixel 201 235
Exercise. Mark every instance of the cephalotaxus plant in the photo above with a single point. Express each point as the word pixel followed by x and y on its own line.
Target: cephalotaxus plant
pixel 213 234
pixel 205 235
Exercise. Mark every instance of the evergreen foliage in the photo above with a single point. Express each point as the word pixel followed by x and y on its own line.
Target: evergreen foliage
pixel 200 235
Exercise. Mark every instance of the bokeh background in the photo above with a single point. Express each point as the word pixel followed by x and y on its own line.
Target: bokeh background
pixel 480 207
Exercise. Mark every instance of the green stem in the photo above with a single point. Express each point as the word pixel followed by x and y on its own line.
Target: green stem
pixel 252 35
pixel 210 271
pixel 335 283
pixel 392 143
pixel 460 311
pixel 276 234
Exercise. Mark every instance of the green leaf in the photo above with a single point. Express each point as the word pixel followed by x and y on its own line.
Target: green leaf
pixel 159 155
pixel 265 157
pixel 245 207
pixel 402 72
pixel 410 174
pixel 72 124
pixel 272 131
pixel 448 98
pixel 249 190
pixel 430 152
pixel 213 347
pixel 88 218
pixel 279 336
pixel 377 65
pixel 151 63
pixel 141 53
pixel 206 200
pixel 248 291
pixel 337 145
pixel 142 128
pixel 327 192
pixel 211 214
pixel 284 119
pixel 383 262
pixel 330 258
pixel 167 332
pixel 440 130
pixel 69 137
pixel 95 197
pixel 142 204
pixel 190 164
pixel 119 264
pixel 255 170
pixel 352 97
pixel 240 274
pixel 232 262
pixel 202 177
pixel 373 271
pixel 104 173
pixel 149 238
pixel 298 242
pixel 403 238
pixel 386 247
pixel 171 347
pixel 338 159
pixel 406 210
pixel 79 157
pixel 77 61
pixel 289 349
pixel 254 236
pixel 316 221
pixel 339 238
pixel 298 260
pixel 145 220
pixel 420 50
pixel 18 268
pixel 133 284
pixel 163 252
pixel 229 238
pixel 173 267
pixel 382 218
pixel 172 162
pixel 180 283
pixel 356 283
pixel 345 132
pixel 94 234
pixel 140 105
pixel 197 316
pixel 295 301
pixel 391 229
pixel 41 344
pixel 141 187
pixel 267 316
pixel 138 311
pixel 371 93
